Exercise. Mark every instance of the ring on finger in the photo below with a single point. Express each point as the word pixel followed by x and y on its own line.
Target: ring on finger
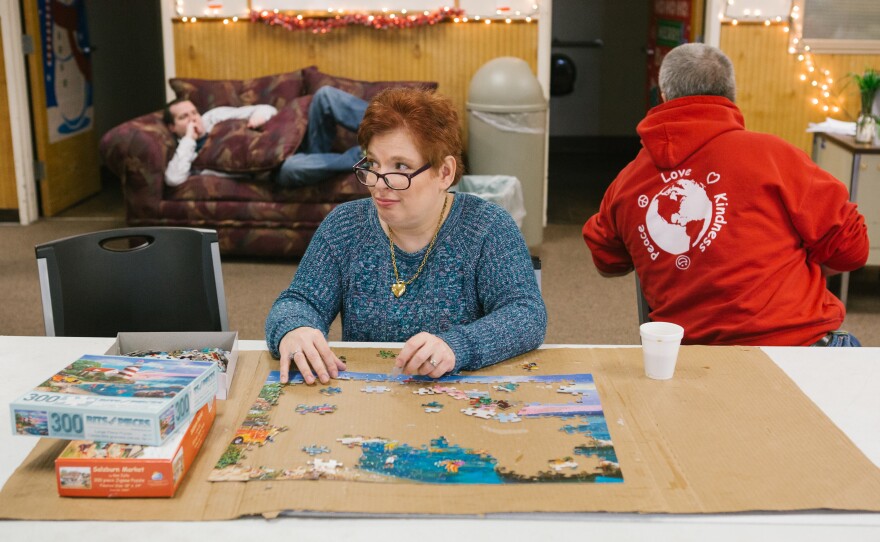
pixel 433 362
pixel 292 354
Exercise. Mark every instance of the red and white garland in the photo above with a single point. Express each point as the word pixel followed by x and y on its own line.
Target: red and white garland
pixel 322 25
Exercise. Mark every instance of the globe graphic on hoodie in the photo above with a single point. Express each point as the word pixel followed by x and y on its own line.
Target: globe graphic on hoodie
pixel 679 216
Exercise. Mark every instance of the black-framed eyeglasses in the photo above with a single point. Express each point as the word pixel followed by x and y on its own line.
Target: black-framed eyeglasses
pixel 393 180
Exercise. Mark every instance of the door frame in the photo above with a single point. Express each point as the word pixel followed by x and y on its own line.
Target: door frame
pixel 712 30
pixel 167 14
pixel 19 112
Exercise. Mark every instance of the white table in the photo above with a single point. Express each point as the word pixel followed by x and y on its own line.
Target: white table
pixel 844 383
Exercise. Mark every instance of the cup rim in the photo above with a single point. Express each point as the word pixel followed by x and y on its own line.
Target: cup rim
pixel 662 329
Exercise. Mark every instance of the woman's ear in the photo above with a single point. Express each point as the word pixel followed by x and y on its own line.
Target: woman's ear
pixel 447 172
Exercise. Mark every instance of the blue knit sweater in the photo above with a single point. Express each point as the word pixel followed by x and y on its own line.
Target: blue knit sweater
pixel 477 290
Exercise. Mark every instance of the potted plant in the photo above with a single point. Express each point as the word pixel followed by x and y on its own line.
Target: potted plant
pixel 869 84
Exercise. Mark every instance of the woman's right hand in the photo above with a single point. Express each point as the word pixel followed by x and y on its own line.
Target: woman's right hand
pixel 307 348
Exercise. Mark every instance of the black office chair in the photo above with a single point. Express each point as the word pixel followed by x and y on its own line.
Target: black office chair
pixel 132 279
pixel 642 303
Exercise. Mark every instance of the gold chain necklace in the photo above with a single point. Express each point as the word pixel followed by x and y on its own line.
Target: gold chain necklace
pixel 398 287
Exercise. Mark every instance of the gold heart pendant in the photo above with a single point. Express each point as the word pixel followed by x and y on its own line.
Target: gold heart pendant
pixel 398 289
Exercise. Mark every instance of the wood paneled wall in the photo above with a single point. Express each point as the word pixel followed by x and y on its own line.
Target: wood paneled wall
pixel 772 97
pixel 448 53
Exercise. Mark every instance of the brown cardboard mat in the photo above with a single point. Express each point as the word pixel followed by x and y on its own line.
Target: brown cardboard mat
pixel 730 433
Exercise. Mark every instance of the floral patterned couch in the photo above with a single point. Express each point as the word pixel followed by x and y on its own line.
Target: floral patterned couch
pixel 252 215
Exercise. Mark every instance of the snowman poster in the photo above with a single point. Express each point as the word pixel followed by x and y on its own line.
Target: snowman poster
pixel 67 67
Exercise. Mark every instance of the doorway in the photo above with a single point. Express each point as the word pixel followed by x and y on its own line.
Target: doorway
pixel 129 81
pixel 592 128
pixel 126 64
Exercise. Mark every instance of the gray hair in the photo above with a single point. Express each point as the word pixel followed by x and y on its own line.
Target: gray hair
pixel 697 69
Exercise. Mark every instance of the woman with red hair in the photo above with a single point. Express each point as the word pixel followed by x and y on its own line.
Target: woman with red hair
pixel 446 273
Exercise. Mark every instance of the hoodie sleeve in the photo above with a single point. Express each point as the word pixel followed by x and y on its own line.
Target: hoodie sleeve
pixel 606 246
pixel 833 230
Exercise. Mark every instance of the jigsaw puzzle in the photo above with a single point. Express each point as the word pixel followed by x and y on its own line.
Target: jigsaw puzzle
pixel 532 428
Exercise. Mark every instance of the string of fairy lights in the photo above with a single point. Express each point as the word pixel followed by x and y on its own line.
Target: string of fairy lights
pixel 323 21
pixel 823 94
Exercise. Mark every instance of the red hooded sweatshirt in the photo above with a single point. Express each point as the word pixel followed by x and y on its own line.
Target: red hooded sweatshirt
pixel 727 229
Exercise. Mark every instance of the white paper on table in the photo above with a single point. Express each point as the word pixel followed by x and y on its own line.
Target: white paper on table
pixel 832 126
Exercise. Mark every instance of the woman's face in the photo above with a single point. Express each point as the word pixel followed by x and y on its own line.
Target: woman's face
pixel 420 204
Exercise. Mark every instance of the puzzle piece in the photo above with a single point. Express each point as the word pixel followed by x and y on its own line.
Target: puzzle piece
pixel 571 429
pixel 565 463
pixel 577 389
pixel 451 465
pixel 376 389
pixel 476 401
pixel 328 466
pixel 424 391
pixel 456 394
pixel 509 387
pixel 358 441
pixel 386 354
pixel 476 393
pixel 432 407
pixel 314 450
pixel 316 409
pixel 529 366
pixel 484 413
pixel 502 404
pixel 508 418
pixel 332 390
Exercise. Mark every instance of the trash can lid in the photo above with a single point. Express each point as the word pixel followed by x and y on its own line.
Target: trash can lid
pixel 505 85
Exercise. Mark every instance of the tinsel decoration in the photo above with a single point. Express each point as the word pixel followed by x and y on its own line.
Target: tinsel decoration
pixel 322 25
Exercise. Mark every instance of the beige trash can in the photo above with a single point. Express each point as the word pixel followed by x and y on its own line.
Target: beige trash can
pixel 507 119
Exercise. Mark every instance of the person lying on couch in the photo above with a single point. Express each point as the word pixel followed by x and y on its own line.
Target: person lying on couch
pixel 313 161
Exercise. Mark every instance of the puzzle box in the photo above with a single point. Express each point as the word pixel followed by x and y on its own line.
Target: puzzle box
pixel 99 469
pixel 116 399
pixel 184 340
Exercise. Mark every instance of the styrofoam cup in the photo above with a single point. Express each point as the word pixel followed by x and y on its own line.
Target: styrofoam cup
pixel 660 342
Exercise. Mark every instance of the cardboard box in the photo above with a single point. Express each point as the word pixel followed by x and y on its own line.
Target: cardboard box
pixel 187 340
pixel 116 399
pixel 94 469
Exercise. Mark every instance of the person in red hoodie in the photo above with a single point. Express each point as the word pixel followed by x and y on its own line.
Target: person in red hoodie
pixel 731 233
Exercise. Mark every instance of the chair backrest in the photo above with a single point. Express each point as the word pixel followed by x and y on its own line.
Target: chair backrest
pixel 642 303
pixel 536 265
pixel 132 279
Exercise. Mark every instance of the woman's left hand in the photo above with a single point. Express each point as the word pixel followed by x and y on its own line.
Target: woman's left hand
pixel 426 354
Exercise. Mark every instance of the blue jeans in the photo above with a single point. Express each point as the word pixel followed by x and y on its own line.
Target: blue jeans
pixel 838 339
pixel 313 161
